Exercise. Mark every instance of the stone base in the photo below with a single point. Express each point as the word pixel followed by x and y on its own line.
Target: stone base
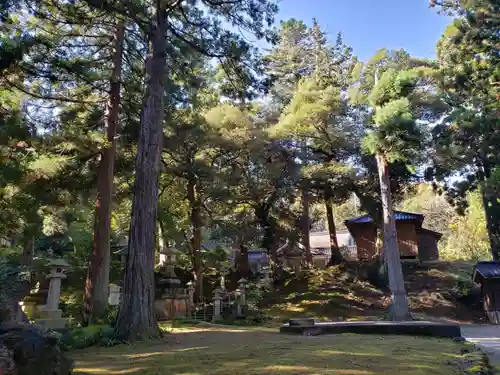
pixel 414 328
pixel 57 323
pixel 49 314
pixel 170 308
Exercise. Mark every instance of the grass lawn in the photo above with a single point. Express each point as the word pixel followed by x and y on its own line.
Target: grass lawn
pixel 250 351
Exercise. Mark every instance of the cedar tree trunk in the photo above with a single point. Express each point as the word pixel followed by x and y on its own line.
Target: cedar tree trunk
pixel 97 282
pixel 136 318
pixel 492 211
pixel 28 252
pixel 305 224
pixel 197 225
pixel 243 264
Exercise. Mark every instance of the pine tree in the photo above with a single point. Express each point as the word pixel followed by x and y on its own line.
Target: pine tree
pixel 396 89
pixel 318 118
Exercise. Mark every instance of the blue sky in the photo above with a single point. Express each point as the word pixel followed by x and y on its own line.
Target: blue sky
pixel 368 25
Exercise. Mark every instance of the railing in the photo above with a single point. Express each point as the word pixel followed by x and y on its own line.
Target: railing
pixel 349 252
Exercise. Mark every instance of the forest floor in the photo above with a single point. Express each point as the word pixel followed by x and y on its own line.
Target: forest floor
pixel 436 291
pixel 252 351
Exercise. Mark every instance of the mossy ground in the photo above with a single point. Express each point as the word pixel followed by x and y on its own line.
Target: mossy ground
pixel 251 351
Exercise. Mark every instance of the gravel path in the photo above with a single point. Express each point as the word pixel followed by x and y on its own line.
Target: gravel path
pixel 487 337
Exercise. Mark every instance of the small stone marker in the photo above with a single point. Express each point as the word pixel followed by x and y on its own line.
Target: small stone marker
pixel 114 295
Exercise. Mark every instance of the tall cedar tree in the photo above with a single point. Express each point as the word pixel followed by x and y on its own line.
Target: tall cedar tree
pixel 97 283
pixel 173 21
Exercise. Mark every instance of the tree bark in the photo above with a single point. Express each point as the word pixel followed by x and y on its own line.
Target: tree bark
pixel 97 282
pixel 197 226
pixel 270 240
pixel 305 224
pixel 492 212
pixel 28 252
pixel 136 318
pixel 243 264
pixel 336 256
pixel 399 308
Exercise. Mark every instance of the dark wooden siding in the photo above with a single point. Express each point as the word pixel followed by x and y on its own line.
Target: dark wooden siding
pixel 427 247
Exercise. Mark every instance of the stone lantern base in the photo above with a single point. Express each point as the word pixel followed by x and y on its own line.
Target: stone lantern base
pixel 51 319
pixel 171 307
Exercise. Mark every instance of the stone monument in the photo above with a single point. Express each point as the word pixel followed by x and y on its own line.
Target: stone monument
pixel 50 316
pixel 190 297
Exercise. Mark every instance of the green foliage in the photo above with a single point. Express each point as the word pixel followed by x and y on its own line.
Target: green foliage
pixel 465 141
pixel 439 213
pixel 93 335
pixel 468 239
pixel 395 133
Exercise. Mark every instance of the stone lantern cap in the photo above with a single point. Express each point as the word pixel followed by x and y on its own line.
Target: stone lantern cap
pixel 58 267
pixel 59 263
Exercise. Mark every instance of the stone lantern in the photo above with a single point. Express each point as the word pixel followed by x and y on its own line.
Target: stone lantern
pixel 169 260
pixel 173 300
pixel 50 314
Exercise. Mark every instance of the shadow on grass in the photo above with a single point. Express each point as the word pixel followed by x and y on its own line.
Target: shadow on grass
pixel 245 352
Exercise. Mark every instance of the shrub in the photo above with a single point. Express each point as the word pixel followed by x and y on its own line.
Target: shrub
pixel 93 335
pixel 252 320
pixel 111 315
pixel 463 288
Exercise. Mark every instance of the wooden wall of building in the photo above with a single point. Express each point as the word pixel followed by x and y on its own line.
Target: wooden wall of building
pixel 427 247
pixel 365 237
pixel 407 239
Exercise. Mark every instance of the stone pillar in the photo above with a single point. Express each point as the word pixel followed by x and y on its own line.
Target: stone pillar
pixel 217 304
pixel 242 286
pixel 190 296
pixel 114 295
pixel 54 291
